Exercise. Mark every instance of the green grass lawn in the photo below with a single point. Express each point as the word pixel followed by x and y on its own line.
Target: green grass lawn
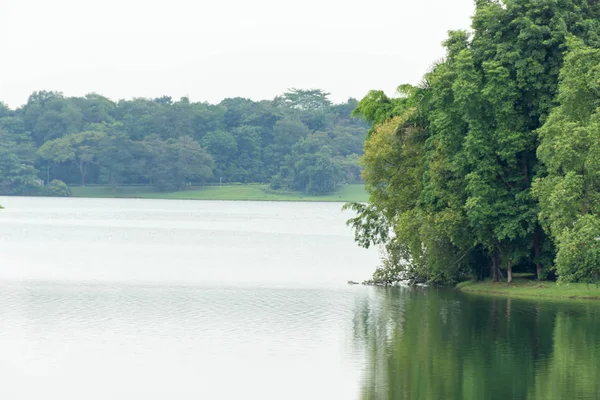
pixel 226 192
pixel 522 287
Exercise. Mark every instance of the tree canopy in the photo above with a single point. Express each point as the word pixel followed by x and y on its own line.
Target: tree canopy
pixel 171 144
pixel 491 160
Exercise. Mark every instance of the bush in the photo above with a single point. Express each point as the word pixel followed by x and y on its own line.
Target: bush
pixel 578 257
pixel 58 188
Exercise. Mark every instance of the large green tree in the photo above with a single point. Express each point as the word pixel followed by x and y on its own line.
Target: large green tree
pixel 55 152
pixel 174 163
pixel 569 190
pixel 450 163
pixel 17 173
pixel 115 156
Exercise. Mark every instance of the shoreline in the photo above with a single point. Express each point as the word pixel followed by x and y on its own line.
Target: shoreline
pixel 190 199
pixel 249 192
pixel 532 289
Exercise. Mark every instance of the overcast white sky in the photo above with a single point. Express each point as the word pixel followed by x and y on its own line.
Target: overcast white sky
pixel 210 50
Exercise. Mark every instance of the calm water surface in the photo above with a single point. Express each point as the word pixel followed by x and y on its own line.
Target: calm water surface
pixel 155 299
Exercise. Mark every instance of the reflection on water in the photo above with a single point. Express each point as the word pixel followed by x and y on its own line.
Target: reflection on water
pixel 440 344
pixel 134 299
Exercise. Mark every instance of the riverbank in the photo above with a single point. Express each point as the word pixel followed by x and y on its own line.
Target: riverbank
pixel 522 287
pixel 250 192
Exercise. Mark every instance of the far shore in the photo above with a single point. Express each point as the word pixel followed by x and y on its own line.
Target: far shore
pixel 533 289
pixel 249 192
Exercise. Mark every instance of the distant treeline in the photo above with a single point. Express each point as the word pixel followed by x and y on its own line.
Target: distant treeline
pixel 298 141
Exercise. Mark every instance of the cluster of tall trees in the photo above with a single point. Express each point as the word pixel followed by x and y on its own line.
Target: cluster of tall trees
pixel 298 141
pixel 492 163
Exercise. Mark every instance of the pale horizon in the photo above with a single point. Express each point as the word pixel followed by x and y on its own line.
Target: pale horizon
pixel 125 49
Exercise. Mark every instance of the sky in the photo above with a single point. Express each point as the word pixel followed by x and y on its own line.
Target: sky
pixel 211 50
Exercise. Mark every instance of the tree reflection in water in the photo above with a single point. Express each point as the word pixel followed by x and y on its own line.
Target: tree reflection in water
pixel 442 344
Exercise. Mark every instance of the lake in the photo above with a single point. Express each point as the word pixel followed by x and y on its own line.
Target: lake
pixel 156 299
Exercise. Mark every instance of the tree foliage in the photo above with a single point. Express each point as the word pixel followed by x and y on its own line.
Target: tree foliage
pixel 58 188
pixel 451 164
pixel 569 151
pixel 171 144
pixel 17 174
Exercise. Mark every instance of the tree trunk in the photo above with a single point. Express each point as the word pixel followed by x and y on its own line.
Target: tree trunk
pixel 48 174
pixel 509 271
pixel 536 252
pixel 82 171
pixel 495 267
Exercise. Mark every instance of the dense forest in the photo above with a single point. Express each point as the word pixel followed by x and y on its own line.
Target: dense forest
pixel 299 141
pixel 492 163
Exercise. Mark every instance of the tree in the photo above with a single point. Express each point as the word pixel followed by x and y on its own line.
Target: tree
pixel 192 162
pixel 376 107
pixel 82 148
pixel 48 116
pixel 96 109
pixel 449 164
pixel 310 167
pixel 222 145
pixel 115 156
pixel 305 100
pixel 247 165
pixel 17 175
pixel 172 164
pixel 4 110
pixel 286 133
pixel 569 150
pixel 58 188
pixel 54 152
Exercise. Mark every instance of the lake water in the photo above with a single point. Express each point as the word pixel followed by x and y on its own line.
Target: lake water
pixel 152 299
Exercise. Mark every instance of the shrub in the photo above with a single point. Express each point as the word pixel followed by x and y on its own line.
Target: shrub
pixel 58 188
